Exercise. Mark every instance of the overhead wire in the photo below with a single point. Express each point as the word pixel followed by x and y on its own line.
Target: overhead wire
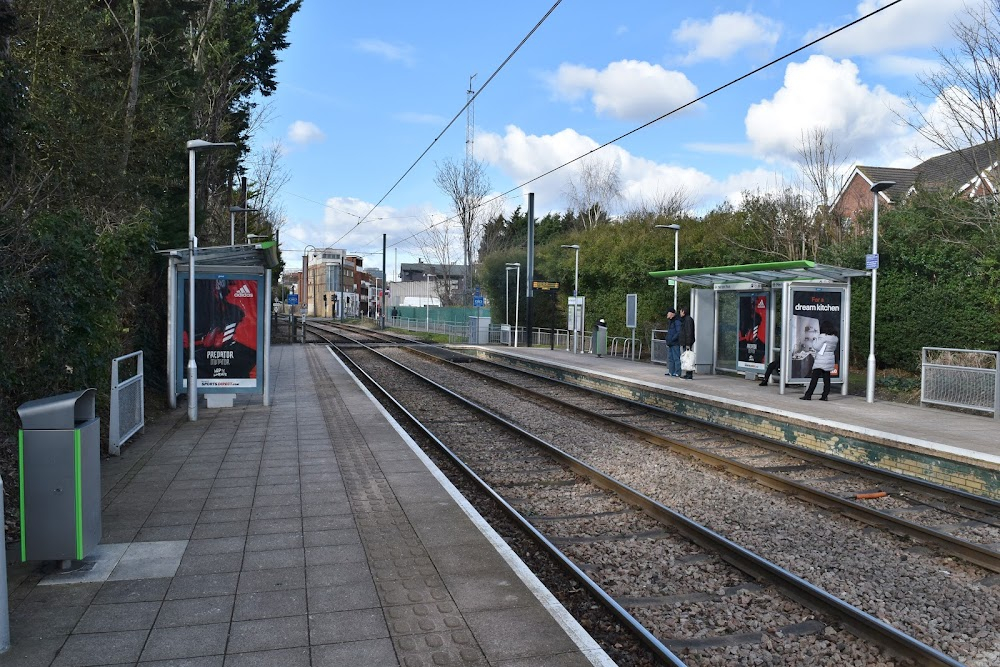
pixel 694 101
pixel 669 113
pixel 456 117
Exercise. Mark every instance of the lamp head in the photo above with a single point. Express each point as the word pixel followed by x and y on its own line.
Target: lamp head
pixel 572 247
pixel 513 264
pixel 882 185
pixel 201 144
pixel 674 227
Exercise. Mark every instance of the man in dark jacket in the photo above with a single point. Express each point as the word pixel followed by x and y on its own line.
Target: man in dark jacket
pixel 673 343
pixel 686 339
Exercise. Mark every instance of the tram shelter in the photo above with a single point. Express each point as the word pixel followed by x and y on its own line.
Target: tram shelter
pixel 748 315
pixel 232 297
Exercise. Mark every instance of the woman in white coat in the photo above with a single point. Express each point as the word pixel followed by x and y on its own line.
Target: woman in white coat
pixel 824 348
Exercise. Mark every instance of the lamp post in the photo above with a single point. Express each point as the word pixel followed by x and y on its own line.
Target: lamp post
pixel 576 286
pixel 870 389
pixel 427 307
pixel 193 146
pixel 233 210
pixel 340 283
pixel 305 278
pixel 517 297
pixel 506 297
pixel 677 229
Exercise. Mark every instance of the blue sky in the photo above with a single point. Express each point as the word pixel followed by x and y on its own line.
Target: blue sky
pixel 364 89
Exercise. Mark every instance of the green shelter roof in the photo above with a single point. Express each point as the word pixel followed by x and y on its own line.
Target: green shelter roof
pixel 767 272
pixel 263 254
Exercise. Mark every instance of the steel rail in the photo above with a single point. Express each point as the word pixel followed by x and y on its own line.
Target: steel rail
pixel 969 551
pixel 647 638
pixel 863 625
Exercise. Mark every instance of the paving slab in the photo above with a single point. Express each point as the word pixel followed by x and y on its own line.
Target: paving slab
pixel 309 532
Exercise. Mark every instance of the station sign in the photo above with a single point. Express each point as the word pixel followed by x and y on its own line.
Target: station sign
pixel 293 299
pixel 543 285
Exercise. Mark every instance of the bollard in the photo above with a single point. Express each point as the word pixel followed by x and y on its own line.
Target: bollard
pixel 4 612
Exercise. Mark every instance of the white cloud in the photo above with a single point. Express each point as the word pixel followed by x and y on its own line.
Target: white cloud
pixel 521 157
pixel 826 94
pixel 907 25
pixel 906 66
pixel 303 133
pixel 401 53
pixel 626 89
pixel 339 229
pixel 726 35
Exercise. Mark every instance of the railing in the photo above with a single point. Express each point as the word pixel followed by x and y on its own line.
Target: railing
pixel 624 346
pixel 456 332
pixel 128 409
pixel 968 379
pixel 658 353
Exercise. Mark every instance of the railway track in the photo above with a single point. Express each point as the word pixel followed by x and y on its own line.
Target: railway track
pixel 655 563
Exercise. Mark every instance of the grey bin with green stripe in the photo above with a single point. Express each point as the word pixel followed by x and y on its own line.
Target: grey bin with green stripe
pixel 60 468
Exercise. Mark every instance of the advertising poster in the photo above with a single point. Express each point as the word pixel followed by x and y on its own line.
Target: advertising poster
pixel 811 311
pixel 752 345
pixel 227 332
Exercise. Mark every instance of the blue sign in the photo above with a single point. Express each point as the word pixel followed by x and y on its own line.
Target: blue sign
pixel 871 261
pixel 478 301
pixel 293 299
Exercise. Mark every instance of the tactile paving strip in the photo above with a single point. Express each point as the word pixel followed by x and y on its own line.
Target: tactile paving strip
pixel 424 623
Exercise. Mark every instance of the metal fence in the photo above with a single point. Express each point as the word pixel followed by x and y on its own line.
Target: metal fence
pixel 968 379
pixel 625 347
pixel 128 409
pixel 658 353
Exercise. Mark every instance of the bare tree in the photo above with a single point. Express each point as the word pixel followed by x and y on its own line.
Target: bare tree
pixel 965 89
pixel 466 185
pixel 664 208
pixel 779 224
pixel 595 190
pixel 964 109
pixel 267 177
pixel 823 172
pixel 441 244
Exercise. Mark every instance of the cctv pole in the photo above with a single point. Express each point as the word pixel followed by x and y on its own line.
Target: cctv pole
pixel 530 268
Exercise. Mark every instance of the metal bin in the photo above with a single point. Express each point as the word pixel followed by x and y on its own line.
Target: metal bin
pixel 600 339
pixel 60 468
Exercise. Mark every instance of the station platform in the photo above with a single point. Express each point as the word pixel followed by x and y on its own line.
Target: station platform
pixel 309 532
pixel 943 446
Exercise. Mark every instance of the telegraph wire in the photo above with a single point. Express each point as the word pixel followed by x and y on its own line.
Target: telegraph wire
pixel 661 117
pixel 457 115
pixel 506 194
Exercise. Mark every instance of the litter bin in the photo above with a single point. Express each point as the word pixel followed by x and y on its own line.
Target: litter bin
pixel 600 338
pixel 60 467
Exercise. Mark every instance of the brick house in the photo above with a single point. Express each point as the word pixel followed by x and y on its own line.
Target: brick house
pixel 968 172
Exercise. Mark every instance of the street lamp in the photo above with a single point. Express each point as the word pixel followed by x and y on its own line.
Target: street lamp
pixel 576 286
pixel 677 229
pixel 193 146
pixel 305 279
pixel 870 389
pixel 233 210
pixel 427 307
pixel 340 282
pixel 517 296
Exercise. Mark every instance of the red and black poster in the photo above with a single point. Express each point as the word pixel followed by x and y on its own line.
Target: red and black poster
pixel 227 332
pixel 752 348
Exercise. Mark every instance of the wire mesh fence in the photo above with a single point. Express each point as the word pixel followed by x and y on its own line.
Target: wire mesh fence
pixel 966 379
